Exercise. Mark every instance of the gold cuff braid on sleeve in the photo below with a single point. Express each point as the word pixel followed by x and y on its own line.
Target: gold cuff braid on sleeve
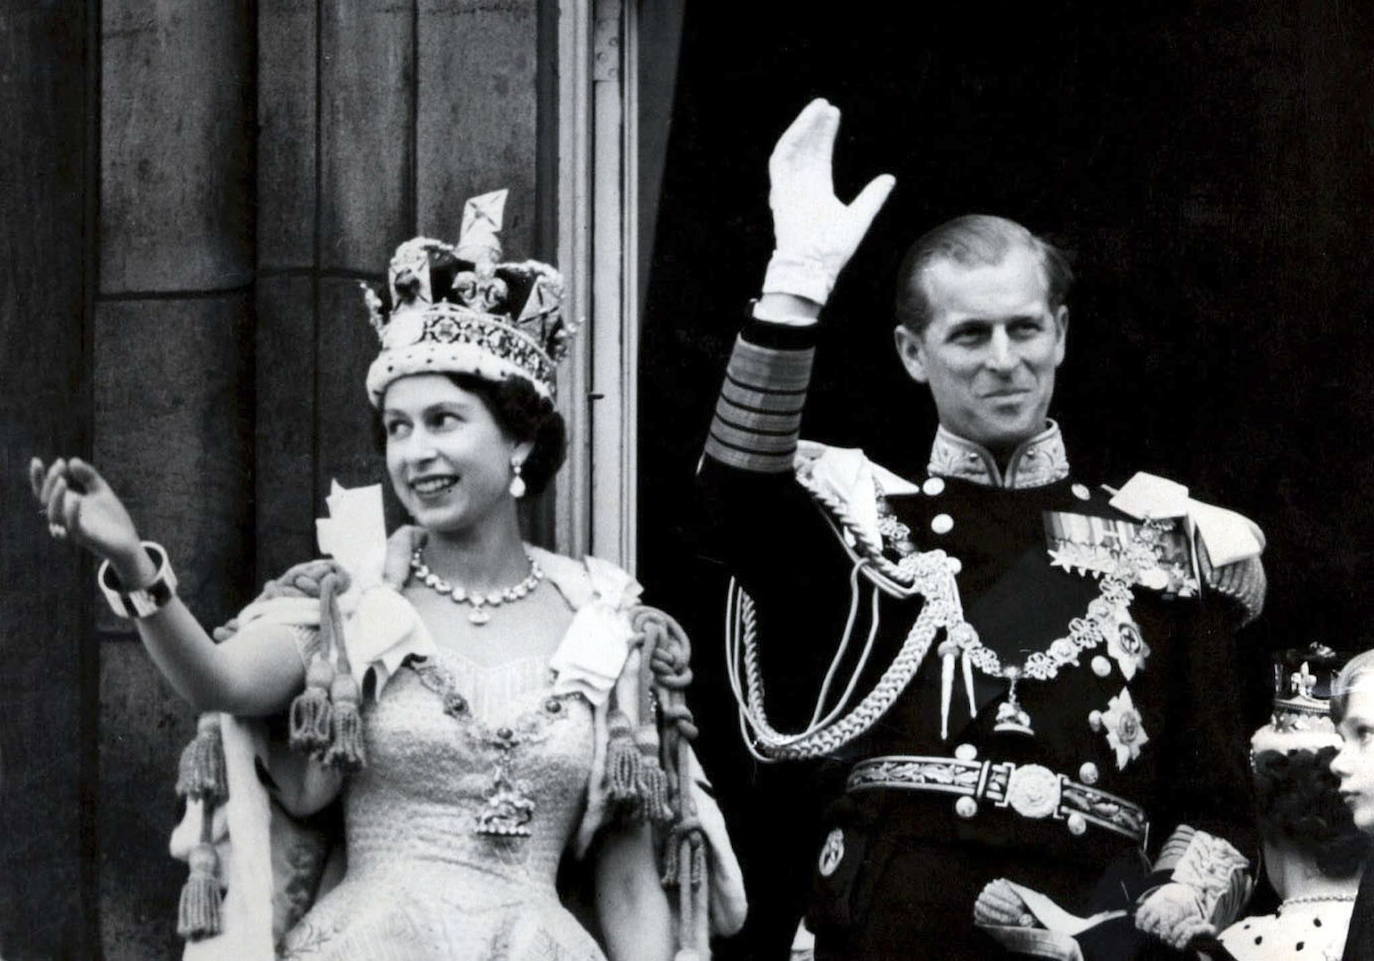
pixel 1212 867
pixel 758 414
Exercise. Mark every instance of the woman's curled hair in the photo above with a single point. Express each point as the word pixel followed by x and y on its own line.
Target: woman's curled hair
pixel 1299 802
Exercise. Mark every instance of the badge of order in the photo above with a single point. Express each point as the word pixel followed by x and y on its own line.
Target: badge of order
pixel 832 852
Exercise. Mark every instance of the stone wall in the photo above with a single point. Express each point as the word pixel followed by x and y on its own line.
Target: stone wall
pixel 198 190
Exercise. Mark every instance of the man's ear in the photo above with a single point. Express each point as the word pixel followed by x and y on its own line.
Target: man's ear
pixel 911 350
pixel 1061 328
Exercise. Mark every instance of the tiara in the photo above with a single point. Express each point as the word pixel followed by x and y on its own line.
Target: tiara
pixel 1301 720
pixel 455 309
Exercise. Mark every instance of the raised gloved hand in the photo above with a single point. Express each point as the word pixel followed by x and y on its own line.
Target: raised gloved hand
pixel 1173 914
pixel 814 233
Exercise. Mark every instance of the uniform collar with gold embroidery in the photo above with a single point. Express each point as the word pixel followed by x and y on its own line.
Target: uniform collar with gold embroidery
pixel 1037 462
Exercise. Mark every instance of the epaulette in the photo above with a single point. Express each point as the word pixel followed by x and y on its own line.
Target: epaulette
pixel 846 486
pixel 1228 545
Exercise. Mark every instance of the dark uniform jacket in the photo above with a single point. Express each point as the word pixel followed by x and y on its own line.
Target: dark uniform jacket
pixel 1359 941
pixel 1139 727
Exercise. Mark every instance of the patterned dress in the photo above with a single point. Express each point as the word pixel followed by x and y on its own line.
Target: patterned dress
pixel 1314 930
pixel 424 882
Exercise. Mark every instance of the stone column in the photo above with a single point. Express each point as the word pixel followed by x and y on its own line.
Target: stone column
pixel 173 380
pixel 48 88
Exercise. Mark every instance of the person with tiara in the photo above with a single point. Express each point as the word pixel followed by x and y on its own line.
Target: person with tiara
pixel 479 706
pixel 1352 708
pixel 1313 852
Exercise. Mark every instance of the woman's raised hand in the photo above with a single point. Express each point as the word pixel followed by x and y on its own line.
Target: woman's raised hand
pixel 815 234
pixel 256 675
pixel 78 504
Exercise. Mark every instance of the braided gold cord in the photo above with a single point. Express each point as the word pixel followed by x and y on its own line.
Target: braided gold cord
pixel 929 573
pixel 667 661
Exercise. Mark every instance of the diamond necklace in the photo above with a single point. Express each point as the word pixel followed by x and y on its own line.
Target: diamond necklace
pixel 478 601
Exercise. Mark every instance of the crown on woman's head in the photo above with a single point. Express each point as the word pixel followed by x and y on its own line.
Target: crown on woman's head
pixel 455 309
pixel 1303 678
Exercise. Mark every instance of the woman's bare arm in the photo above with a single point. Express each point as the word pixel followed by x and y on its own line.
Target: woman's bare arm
pixel 256 672
pixel 630 902
pixel 253 673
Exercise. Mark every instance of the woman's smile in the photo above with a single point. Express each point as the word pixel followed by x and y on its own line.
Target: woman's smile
pixel 449 461
pixel 433 484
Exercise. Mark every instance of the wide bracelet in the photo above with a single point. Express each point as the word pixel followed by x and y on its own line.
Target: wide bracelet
pixel 146 600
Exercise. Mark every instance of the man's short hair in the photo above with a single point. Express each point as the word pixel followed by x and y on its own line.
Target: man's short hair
pixel 973 240
pixel 1354 669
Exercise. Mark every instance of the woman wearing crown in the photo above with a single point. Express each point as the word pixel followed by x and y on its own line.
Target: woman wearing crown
pixel 1313 853
pixel 481 707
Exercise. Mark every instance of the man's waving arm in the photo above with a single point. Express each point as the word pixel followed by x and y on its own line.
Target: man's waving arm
pixel 758 414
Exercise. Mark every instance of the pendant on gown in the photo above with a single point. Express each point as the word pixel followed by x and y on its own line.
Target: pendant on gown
pixel 509 809
pixel 479 616
pixel 1011 716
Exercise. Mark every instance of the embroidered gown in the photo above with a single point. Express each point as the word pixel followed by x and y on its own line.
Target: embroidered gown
pixel 477 781
pixel 422 883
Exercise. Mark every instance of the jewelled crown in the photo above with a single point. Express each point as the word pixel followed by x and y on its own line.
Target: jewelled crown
pixel 1303 679
pixel 455 309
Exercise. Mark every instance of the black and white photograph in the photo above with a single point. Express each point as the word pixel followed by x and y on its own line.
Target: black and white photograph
pixel 658 480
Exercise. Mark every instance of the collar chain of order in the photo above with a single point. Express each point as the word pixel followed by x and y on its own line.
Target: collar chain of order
pixel 930 574
pixel 1108 612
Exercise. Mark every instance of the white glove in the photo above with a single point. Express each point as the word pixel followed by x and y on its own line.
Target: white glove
pixel 999 904
pixel 815 234
pixel 1172 913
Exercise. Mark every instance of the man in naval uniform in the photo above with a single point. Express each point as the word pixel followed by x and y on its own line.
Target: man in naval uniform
pixel 1020 688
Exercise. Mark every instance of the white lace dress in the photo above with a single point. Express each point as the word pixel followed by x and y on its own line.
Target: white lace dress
pixel 457 752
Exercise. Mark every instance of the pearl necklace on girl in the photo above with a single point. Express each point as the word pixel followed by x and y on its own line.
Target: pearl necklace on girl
pixel 1315 899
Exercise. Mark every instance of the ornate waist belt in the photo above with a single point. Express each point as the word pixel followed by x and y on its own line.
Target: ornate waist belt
pixel 1031 790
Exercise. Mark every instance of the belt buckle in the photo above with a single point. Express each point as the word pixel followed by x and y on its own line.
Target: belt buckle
pixel 1033 791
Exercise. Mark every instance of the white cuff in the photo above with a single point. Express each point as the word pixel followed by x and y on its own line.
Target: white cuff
pixel 799 276
pixel 759 312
